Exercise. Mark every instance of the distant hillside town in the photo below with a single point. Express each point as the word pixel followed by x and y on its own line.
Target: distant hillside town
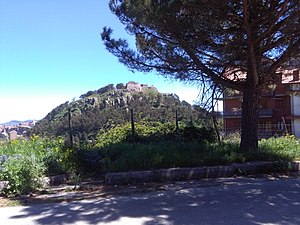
pixel 12 131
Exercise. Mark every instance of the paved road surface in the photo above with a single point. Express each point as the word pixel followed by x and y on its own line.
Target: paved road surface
pixel 228 201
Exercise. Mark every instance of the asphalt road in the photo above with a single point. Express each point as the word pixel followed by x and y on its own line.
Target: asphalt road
pixel 226 201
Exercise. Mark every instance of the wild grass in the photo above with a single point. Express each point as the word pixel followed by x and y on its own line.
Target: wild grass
pixel 22 162
pixel 126 157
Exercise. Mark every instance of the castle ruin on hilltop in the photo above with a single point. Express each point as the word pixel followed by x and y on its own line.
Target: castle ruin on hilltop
pixel 132 86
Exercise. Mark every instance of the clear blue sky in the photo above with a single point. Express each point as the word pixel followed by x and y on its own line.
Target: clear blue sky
pixel 51 52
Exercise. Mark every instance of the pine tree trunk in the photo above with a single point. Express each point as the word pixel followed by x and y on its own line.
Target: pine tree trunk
pixel 250 119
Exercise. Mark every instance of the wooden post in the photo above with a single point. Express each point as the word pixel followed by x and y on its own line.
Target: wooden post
pixel 132 127
pixel 70 127
pixel 285 126
pixel 177 125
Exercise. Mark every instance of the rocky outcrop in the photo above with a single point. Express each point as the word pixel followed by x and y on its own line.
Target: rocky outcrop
pixel 131 86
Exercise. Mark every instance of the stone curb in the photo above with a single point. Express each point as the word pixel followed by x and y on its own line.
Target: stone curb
pixel 295 166
pixel 177 174
pixel 173 174
pixel 55 180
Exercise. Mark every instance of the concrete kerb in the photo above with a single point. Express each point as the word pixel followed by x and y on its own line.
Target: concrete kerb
pixel 177 174
pixel 295 166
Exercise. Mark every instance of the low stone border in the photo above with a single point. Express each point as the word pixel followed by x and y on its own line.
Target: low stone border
pixel 295 166
pixel 173 174
pixel 176 174
pixel 55 180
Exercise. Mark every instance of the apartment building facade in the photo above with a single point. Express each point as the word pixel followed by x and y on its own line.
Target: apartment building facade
pixel 279 111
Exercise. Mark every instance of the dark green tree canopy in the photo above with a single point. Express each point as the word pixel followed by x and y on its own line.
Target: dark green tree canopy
pixel 201 41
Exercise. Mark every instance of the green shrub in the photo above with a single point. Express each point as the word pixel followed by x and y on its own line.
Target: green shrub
pixel 87 160
pixel 115 135
pixel 23 174
pixel 24 162
pixel 154 132
pixel 200 134
pixel 282 148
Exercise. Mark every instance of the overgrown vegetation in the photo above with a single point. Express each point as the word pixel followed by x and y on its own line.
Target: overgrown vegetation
pixel 157 145
pixel 283 148
pixel 24 162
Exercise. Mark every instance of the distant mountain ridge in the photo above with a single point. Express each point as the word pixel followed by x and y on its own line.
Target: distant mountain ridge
pixel 16 122
pixel 110 105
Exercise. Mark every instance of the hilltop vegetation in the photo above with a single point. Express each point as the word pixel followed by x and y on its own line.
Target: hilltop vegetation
pixel 109 106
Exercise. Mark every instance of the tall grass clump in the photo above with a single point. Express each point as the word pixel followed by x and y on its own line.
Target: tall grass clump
pixel 127 157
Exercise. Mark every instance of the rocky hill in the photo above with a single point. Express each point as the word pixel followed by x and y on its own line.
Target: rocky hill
pixel 109 106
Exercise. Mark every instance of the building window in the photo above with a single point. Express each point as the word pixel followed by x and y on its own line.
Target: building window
pixel 279 104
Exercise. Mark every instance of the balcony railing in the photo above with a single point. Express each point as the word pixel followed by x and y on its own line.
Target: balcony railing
pixel 272 130
pixel 238 114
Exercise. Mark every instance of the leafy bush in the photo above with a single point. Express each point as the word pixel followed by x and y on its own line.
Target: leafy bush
pixel 115 135
pixel 154 132
pixel 194 133
pixel 24 162
pixel 23 174
pixel 87 160
pixel 282 148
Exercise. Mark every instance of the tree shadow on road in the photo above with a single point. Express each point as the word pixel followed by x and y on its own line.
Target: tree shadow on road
pixel 248 201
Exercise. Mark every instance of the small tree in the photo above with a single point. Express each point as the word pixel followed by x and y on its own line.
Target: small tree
pixel 201 41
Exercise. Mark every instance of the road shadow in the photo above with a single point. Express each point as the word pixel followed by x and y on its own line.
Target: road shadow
pixel 248 201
